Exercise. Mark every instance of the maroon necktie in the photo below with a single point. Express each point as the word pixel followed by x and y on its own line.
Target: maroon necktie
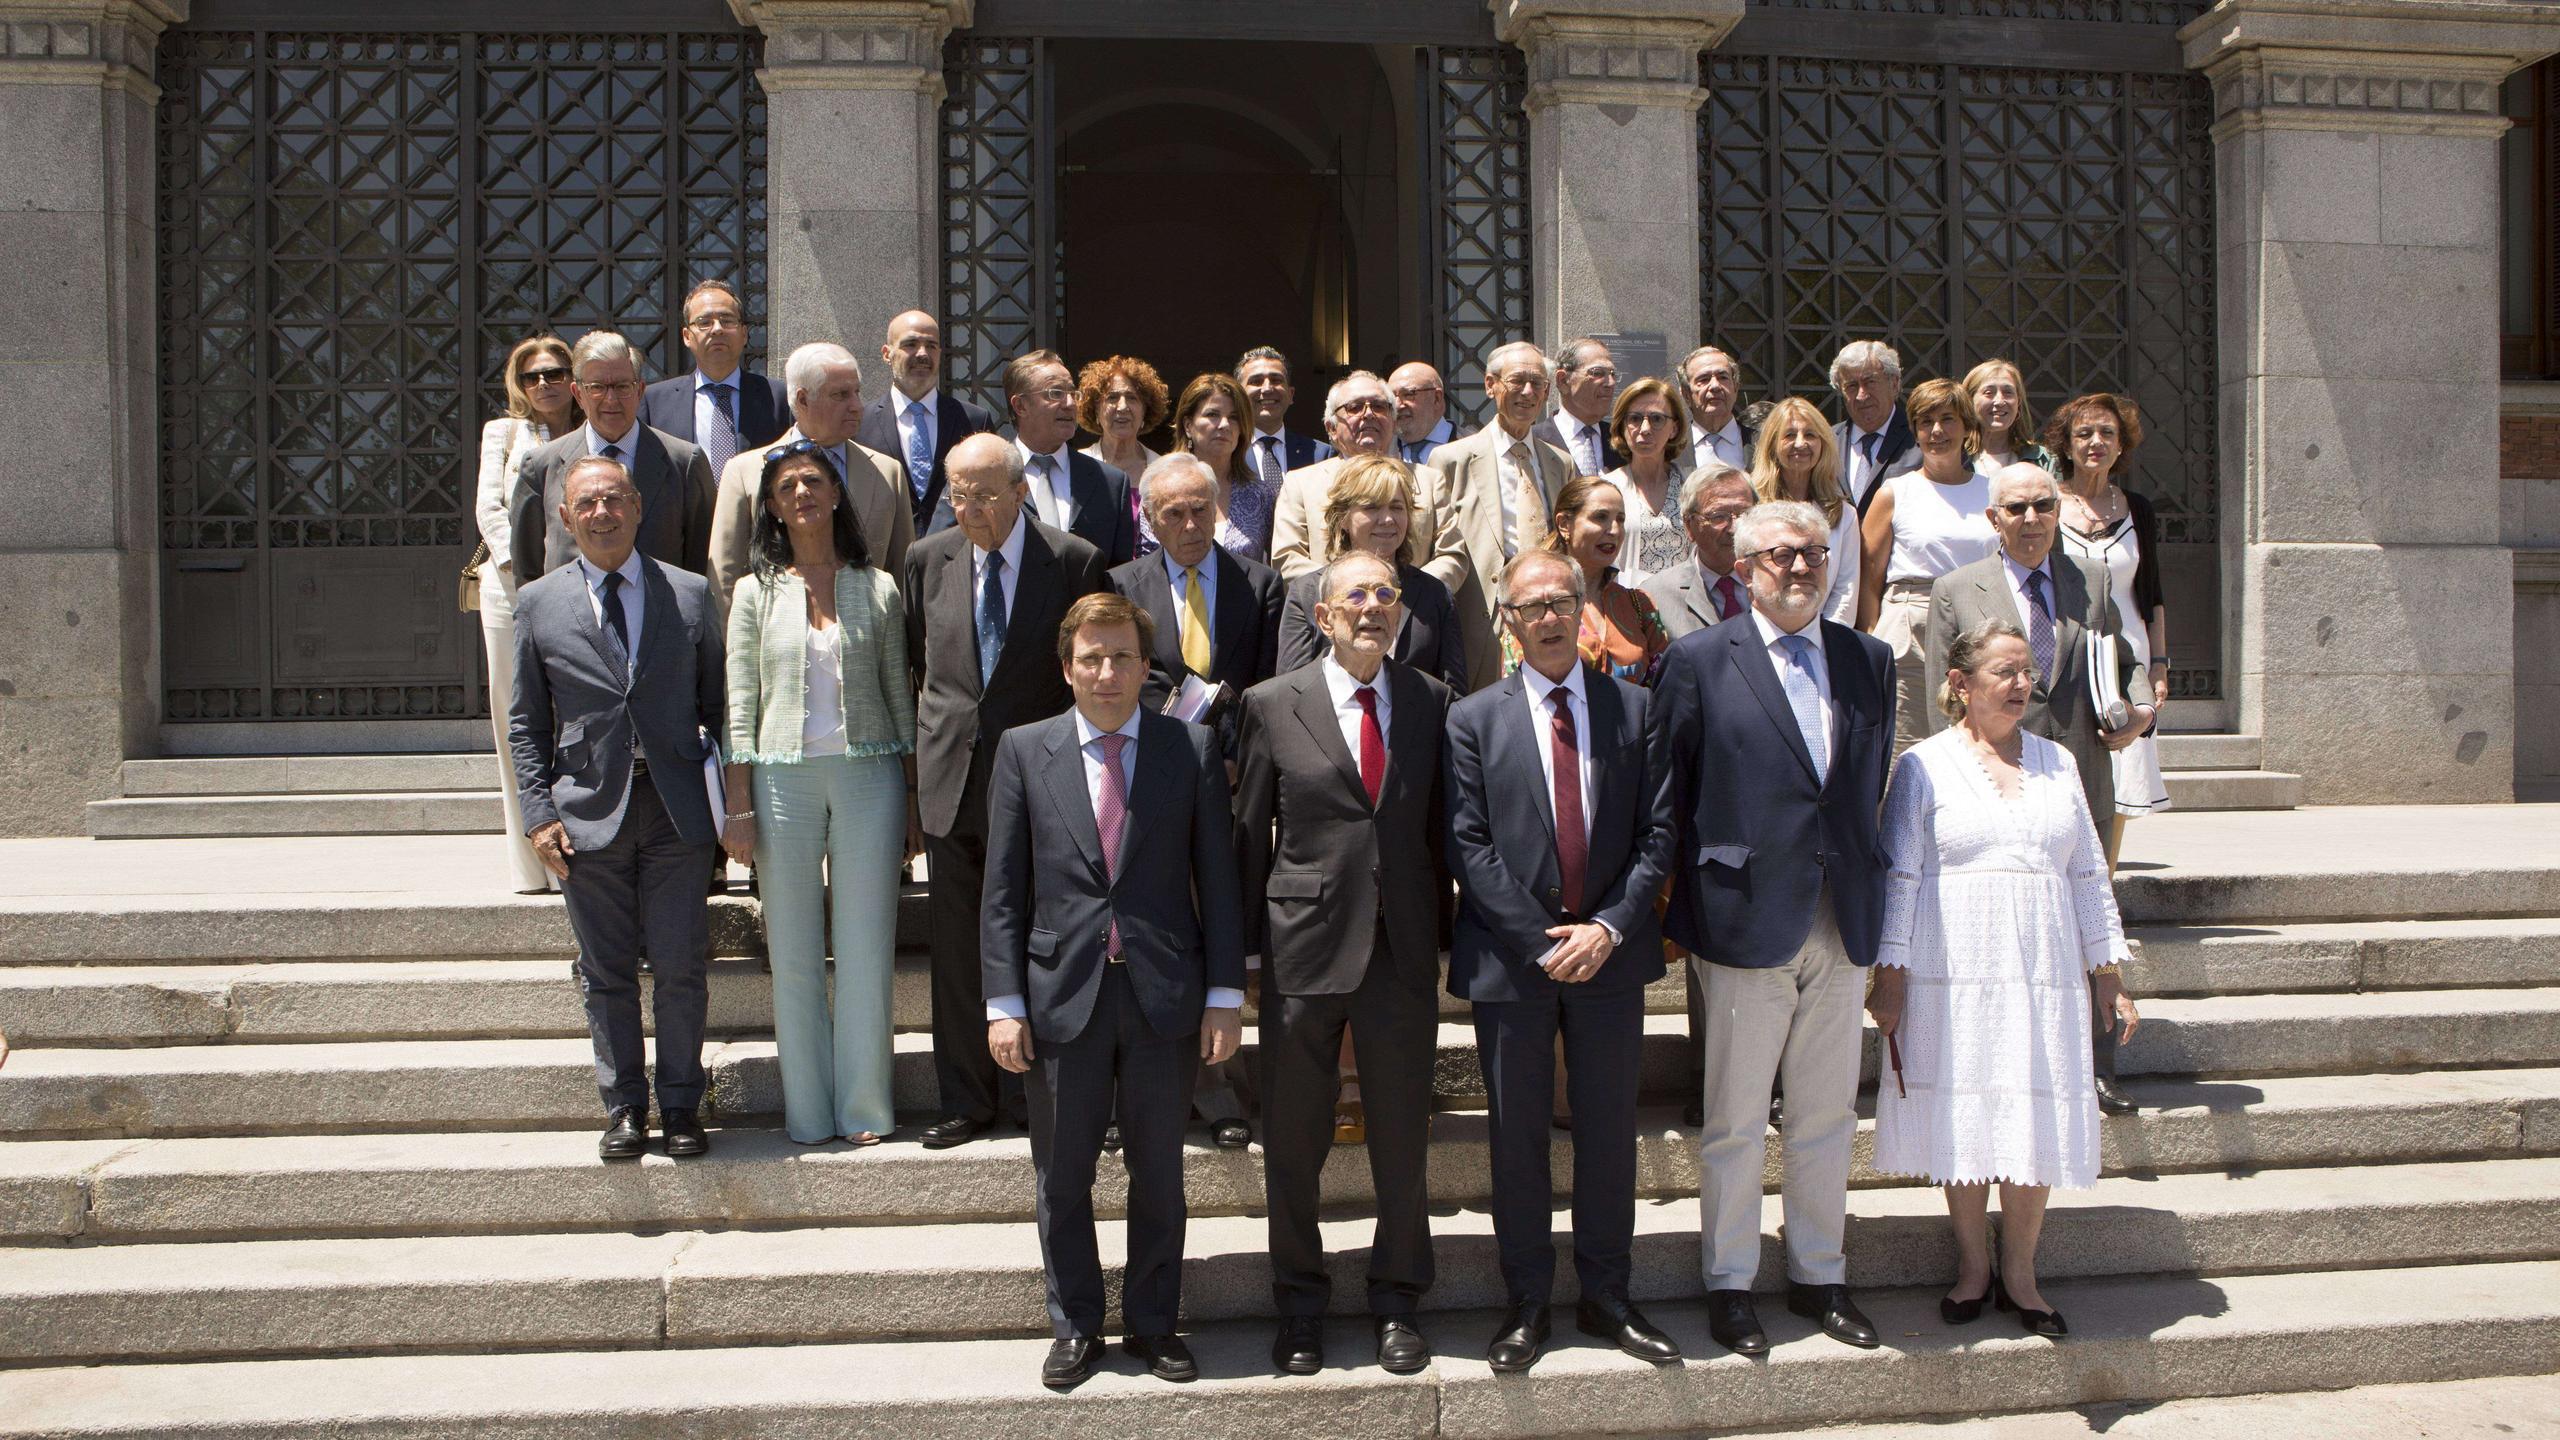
pixel 1573 848
pixel 1373 744
pixel 1728 598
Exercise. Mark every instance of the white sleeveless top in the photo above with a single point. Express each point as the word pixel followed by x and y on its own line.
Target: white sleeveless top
pixel 822 733
pixel 1938 528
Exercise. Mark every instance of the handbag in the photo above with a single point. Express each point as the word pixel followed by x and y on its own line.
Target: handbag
pixel 471 578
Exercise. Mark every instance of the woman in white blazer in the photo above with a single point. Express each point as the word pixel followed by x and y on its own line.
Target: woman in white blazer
pixel 540 406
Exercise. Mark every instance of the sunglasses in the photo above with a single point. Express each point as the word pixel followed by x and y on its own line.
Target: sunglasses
pixel 2017 509
pixel 548 375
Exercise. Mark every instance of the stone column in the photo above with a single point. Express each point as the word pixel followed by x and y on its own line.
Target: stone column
pixel 2357 198
pixel 1613 161
pixel 853 95
pixel 79 542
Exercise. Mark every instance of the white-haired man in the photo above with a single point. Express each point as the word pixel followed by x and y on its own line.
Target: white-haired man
pixel 1586 383
pixel 1501 481
pixel 1875 442
pixel 672 477
pixel 1360 419
pixel 825 384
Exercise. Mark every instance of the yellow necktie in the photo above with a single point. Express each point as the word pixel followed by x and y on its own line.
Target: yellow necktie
pixel 1195 623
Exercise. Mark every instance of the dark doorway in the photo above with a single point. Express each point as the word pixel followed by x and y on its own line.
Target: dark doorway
pixel 1219 195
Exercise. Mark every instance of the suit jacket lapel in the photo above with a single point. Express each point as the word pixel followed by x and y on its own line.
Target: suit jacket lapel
pixel 1694 594
pixel 1155 596
pixel 956 584
pixel 1233 612
pixel 1039 577
pixel 615 664
pixel 1315 711
pixel 1069 792
pixel 1840 657
pixel 1515 731
pixel 655 615
pixel 1761 674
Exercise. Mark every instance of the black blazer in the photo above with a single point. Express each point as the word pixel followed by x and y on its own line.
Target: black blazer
pixel 1758 834
pixel 764 412
pixel 1502 839
pixel 1553 433
pixel 1103 517
pixel 1429 640
pixel 1049 903
pixel 954 420
pixel 676 486
pixel 957 720
pixel 1900 452
pixel 1320 866
pixel 1244 629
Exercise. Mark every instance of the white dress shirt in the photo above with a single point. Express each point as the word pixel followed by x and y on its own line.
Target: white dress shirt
pixel 1770 635
pixel 704 412
pixel 931 400
pixel 1346 709
pixel 1011 550
pixel 1208 591
pixel 1724 445
pixel 1056 500
pixel 632 609
pixel 1590 444
pixel 1097 773
pixel 2017 574
pixel 1542 719
pixel 627 446
pixel 1859 470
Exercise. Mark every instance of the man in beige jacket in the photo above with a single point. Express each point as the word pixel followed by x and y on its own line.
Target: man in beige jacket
pixel 1499 484
pixel 825 384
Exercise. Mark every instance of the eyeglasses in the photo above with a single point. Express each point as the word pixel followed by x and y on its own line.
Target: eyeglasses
pixel 1416 392
pixel 1600 372
pixel 1784 557
pixel 1531 612
pixel 1363 595
pixel 716 320
pixel 1647 419
pixel 1520 384
pixel 610 387
pixel 1364 405
pixel 975 499
pixel 2017 509
pixel 547 375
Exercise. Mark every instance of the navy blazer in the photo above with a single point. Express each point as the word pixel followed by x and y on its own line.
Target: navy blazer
pixel 1103 517
pixel 1758 834
pixel 1502 839
pixel 1296 451
pixel 954 420
pixel 1049 904
pixel 1428 640
pixel 764 412
pixel 1244 629
pixel 1900 446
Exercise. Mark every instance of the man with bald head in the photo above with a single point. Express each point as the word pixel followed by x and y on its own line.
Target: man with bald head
pixel 985 596
pixel 1422 411
pixel 913 420
pixel 825 384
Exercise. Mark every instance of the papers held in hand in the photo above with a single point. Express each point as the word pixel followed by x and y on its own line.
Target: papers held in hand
pixel 1198 700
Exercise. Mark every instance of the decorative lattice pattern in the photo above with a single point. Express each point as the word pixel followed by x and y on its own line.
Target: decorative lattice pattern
pixel 1477 270
pixel 2137 12
pixel 1001 294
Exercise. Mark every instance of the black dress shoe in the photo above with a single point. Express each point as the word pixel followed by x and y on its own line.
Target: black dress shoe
pixel 1111 1139
pixel 1735 1322
pixel 684 1135
pixel 1611 1318
pixel 2111 1097
pixel 957 1130
pixel 626 1136
pixel 1517 1344
pixel 1299 1347
pixel 1070 1361
pixel 1166 1356
pixel 1965 1312
pixel 1401 1348
pixel 1231 1134
pixel 1694 1114
pixel 2047 1323
pixel 1829 1306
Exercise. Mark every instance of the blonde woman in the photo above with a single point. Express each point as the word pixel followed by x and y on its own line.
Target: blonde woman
pixel 1796 458
pixel 1997 391
pixel 1650 428
pixel 541 406
pixel 1371 508
pixel 1920 525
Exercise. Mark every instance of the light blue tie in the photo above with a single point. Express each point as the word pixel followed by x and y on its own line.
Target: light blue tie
pixel 919 448
pixel 1804 696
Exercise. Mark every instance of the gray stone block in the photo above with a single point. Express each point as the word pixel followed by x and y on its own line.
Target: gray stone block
pixel 2394 739
pixel 62 296
pixel 2435 190
pixel 59 148
pixel 847 273
pixel 2375 610
pixel 2337 311
pixel 852 150
pixel 2356 471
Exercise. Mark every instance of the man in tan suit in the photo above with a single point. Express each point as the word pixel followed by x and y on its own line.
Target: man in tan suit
pixel 1501 482
pixel 1360 419
pixel 825 384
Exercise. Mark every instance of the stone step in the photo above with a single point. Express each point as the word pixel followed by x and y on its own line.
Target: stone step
pixel 2132 1339
pixel 2491 1409
pixel 279 1297
pixel 390 812
pixel 549 1084
pixel 310 774
pixel 254 1187
pixel 2193 752
pixel 2232 789
pixel 484 999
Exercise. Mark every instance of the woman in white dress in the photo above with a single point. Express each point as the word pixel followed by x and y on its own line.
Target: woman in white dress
pixel 1795 458
pixel 540 406
pixel 1650 428
pixel 2110 525
pixel 2000 929
pixel 1920 525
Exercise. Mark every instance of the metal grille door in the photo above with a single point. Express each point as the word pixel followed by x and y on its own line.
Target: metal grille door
pixel 1475 274
pixel 1001 291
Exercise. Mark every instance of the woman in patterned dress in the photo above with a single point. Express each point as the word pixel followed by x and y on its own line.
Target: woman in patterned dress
pixel 1651 429
pixel 1209 421
pixel 1622 630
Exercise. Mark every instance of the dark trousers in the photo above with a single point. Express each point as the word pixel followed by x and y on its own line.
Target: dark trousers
pixel 643 894
pixel 1396 1030
pixel 1603 1034
pixel 971 1082
pixel 1070 1089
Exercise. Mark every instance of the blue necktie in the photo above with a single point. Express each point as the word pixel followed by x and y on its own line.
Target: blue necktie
pixel 990 619
pixel 721 444
pixel 919 448
pixel 614 618
pixel 2039 627
pixel 1804 696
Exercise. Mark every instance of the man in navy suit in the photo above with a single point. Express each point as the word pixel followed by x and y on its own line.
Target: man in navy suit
pixel 1069 490
pixel 1560 834
pixel 1712 379
pixel 1586 386
pixel 1270 450
pixel 1875 442
pixel 1779 726
pixel 722 406
pixel 916 424
pixel 1191 576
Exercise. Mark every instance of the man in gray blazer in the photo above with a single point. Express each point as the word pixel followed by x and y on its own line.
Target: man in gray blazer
pixel 618 686
pixel 1712 590
pixel 1114 963
pixel 674 476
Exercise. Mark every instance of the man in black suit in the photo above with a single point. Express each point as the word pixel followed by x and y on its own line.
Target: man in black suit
pixel 1876 442
pixel 1560 834
pixel 1113 964
pixel 1271 451
pixel 1068 489
pixel 1338 836
pixel 1713 380
pixel 1779 729
pixel 916 424
pixel 1586 386
pixel 984 600
pixel 674 478
pixel 722 406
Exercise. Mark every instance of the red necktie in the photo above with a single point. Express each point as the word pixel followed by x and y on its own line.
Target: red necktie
pixel 1373 744
pixel 1728 599
pixel 1573 848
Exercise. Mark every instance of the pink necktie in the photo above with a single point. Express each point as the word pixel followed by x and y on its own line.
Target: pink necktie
pixel 1110 816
